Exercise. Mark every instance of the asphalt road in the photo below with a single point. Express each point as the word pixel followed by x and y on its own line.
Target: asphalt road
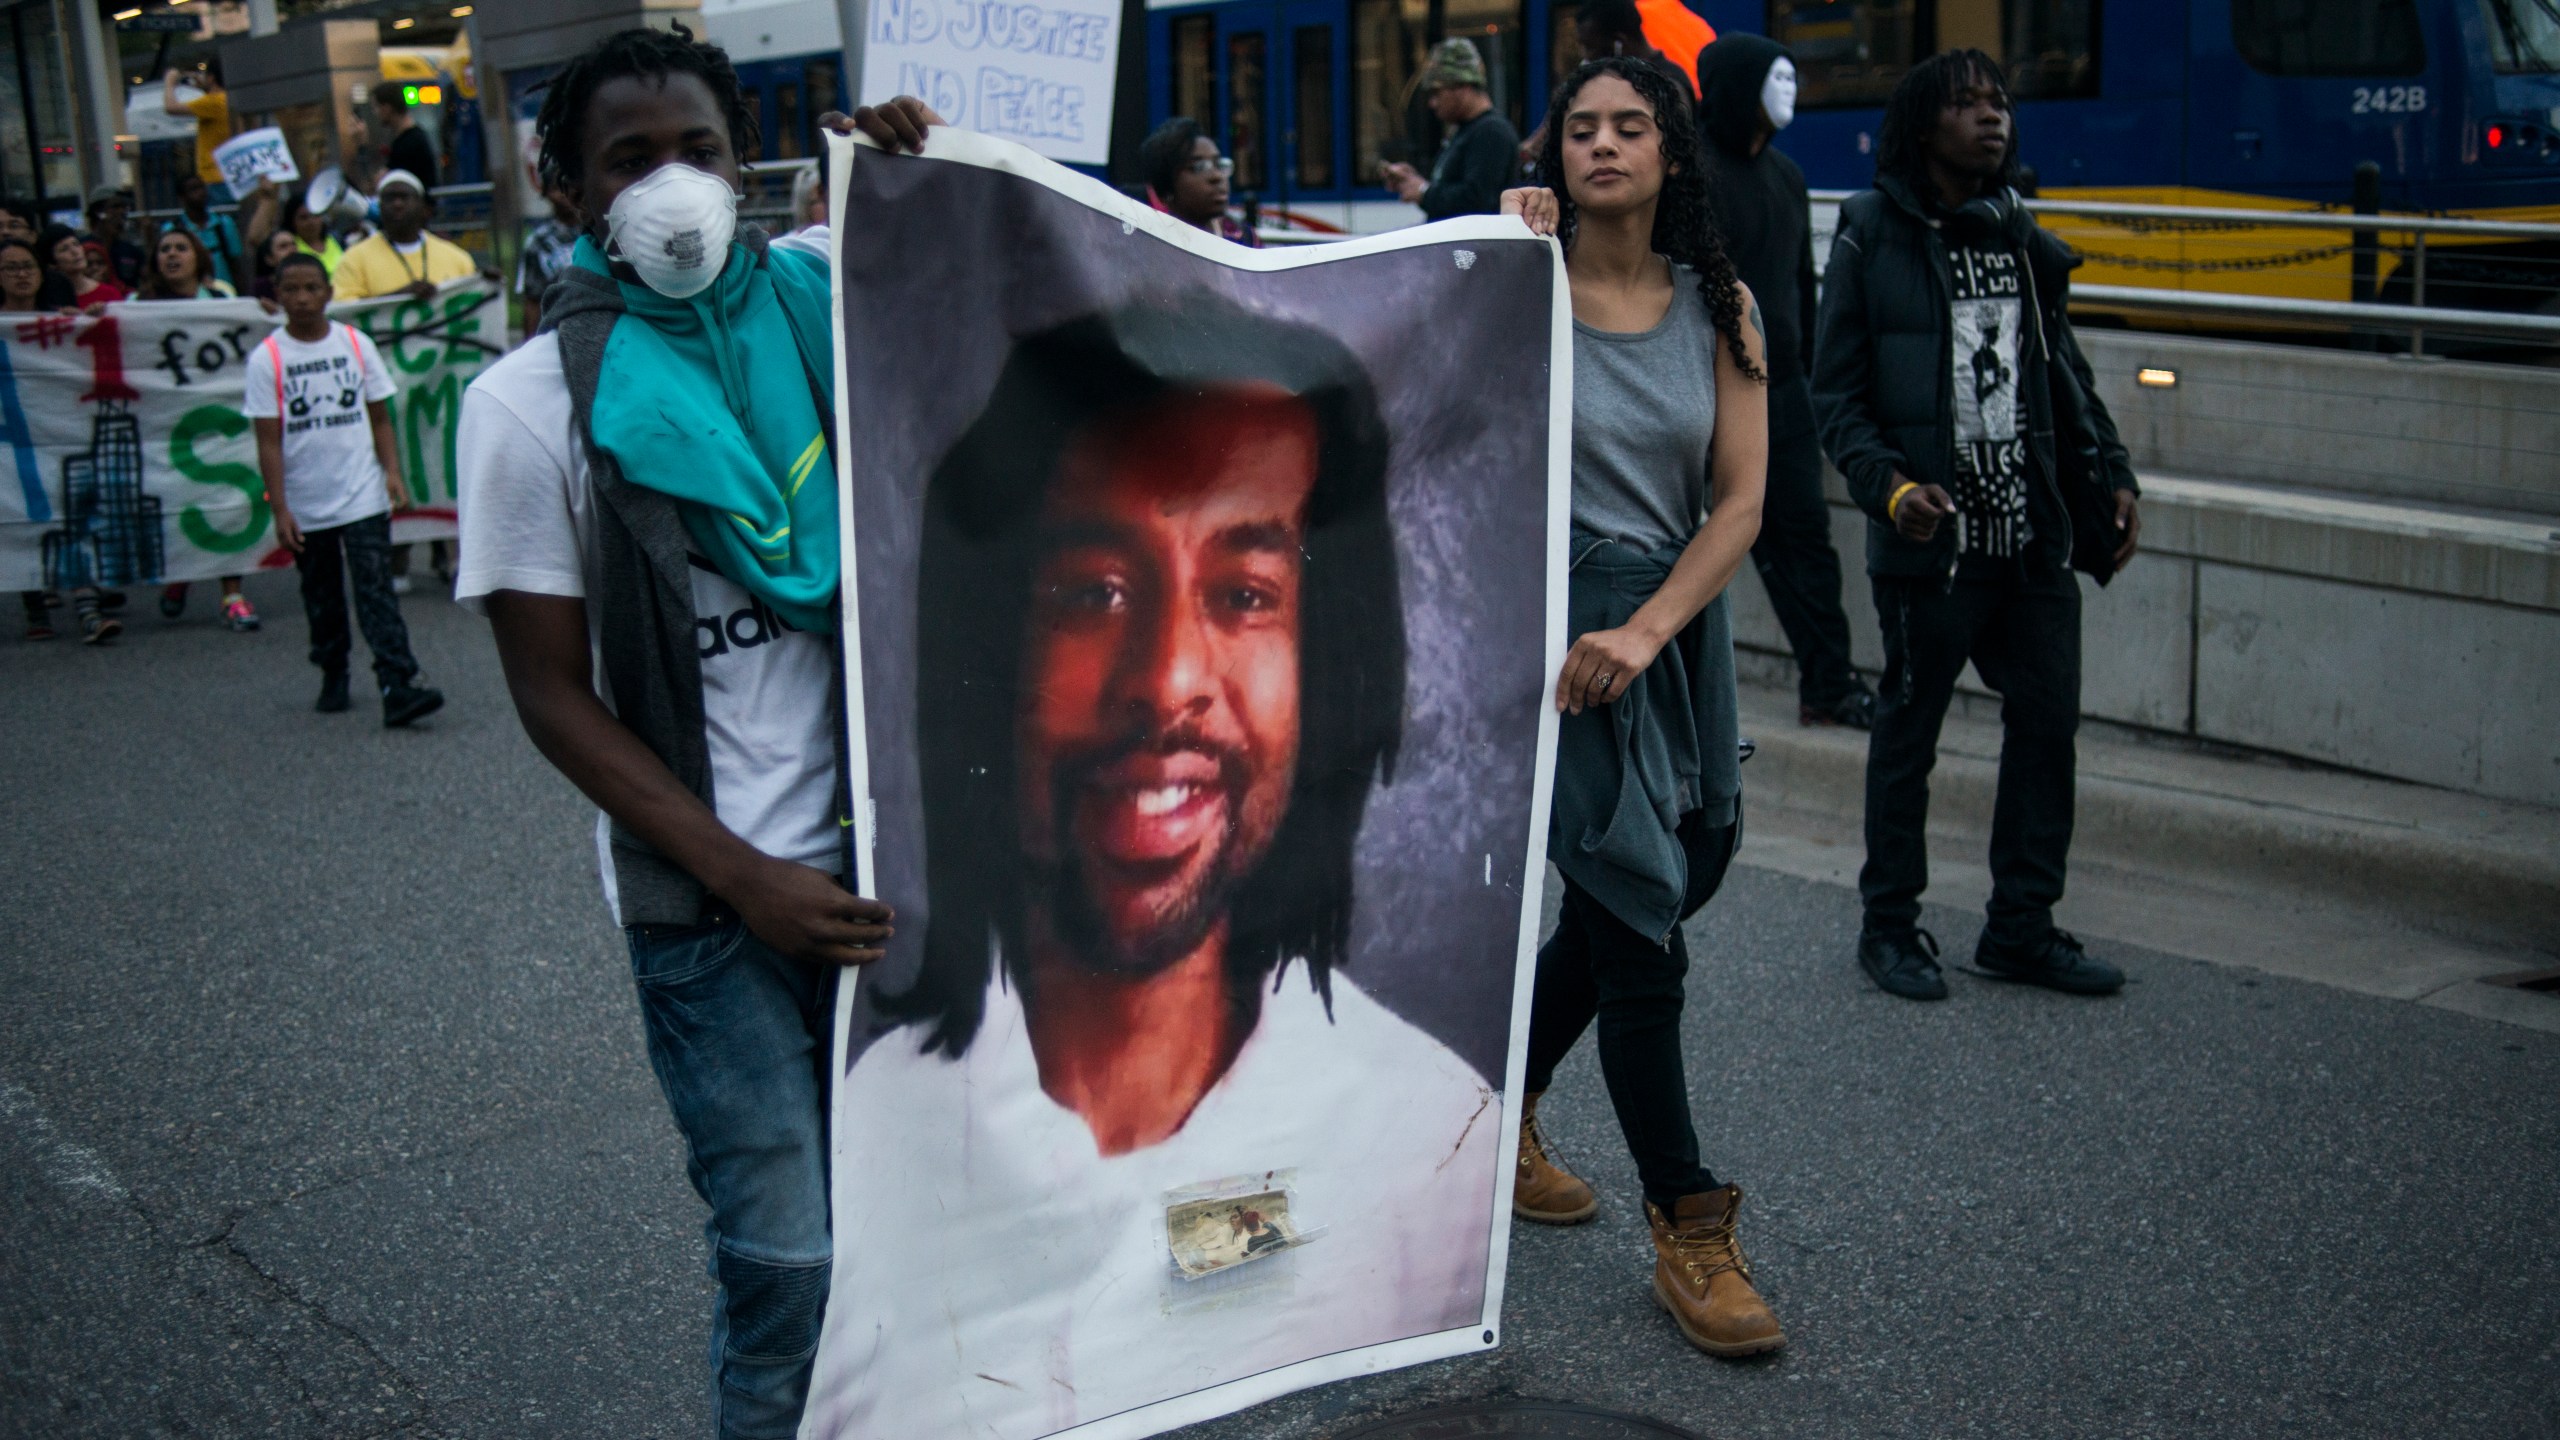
pixel 323 1113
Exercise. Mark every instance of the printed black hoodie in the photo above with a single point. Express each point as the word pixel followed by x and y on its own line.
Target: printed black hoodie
pixel 1759 204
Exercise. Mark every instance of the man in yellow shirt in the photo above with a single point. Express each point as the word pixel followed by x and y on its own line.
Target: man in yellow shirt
pixel 212 114
pixel 401 256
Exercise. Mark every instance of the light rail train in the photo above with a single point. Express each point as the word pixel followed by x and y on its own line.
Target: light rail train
pixel 2226 103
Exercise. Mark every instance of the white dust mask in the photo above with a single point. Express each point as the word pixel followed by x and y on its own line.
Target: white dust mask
pixel 674 227
pixel 1778 93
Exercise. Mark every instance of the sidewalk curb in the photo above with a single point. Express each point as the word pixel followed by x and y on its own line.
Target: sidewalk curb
pixel 2497 882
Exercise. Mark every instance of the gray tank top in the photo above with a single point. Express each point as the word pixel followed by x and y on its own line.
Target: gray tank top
pixel 1644 416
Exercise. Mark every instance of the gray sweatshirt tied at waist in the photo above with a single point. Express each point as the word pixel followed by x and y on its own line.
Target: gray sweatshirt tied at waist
pixel 1626 772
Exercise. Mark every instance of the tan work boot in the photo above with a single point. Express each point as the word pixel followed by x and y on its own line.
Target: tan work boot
pixel 1545 1191
pixel 1699 1275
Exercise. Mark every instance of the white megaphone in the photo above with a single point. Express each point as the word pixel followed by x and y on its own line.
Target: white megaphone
pixel 331 196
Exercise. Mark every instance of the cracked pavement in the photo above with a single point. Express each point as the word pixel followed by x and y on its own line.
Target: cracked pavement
pixel 323 1112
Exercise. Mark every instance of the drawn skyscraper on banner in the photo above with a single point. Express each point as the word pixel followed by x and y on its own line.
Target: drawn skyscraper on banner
pixel 110 532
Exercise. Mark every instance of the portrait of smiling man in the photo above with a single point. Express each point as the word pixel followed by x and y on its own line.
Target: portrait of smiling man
pixel 1160 669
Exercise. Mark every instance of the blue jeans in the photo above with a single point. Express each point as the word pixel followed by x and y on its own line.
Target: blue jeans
pixel 739 1037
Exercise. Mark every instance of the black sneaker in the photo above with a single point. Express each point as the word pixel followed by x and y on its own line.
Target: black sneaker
pixel 97 629
pixel 1904 964
pixel 407 704
pixel 111 600
pixel 1855 710
pixel 333 693
pixel 2054 960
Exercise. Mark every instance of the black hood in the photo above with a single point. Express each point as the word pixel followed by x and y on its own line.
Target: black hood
pixel 1730 74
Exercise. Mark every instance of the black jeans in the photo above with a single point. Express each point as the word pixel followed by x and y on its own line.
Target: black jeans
pixel 1800 569
pixel 359 550
pixel 2021 630
pixel 1597 965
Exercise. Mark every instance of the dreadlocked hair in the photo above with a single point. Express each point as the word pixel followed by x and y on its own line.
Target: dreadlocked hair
pixel 1911 114
pixel 1684 229
pixel 650 54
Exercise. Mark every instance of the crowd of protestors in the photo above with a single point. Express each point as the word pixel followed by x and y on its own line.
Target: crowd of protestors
pixel 331 481
pixel 1935 369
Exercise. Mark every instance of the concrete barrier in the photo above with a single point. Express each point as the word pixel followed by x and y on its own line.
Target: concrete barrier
pixel 2394 635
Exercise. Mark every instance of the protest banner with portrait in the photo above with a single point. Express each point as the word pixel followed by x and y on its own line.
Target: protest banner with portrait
pixel 1207 602
pixel 130 461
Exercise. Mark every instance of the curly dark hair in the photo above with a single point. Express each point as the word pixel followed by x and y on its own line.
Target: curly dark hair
pixel 652 54
pixel 1911 115
pixel 1684 229
pixel 1166 150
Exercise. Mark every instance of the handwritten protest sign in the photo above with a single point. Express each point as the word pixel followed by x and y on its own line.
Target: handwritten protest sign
pixel 1036 73
pixel 125 458
pixel 254 155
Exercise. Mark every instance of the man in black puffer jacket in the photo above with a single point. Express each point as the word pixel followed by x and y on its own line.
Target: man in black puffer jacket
pixel 1748 85
pixel 1943 355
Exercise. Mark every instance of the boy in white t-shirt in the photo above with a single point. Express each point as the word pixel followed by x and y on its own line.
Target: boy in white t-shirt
pixel 316 390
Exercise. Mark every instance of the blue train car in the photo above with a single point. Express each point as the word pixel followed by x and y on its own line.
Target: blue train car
pixel 2454 100
pixel 2216 102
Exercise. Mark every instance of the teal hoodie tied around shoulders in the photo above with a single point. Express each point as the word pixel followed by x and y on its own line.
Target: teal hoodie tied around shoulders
pixel 745 458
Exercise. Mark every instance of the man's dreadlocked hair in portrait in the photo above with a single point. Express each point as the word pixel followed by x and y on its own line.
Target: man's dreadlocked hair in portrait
pixel 649 54
pixel 1684 231
pixel 1920 98
pixel 980 547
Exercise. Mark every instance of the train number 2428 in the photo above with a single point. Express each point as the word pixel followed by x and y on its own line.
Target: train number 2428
pixel 2389 100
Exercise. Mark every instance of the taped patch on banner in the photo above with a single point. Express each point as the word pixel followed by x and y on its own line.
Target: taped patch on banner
pixel 1232 1222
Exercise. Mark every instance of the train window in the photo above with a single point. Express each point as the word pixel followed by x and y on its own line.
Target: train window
pixel 1848 52
pixel 1311 51
pixel 818 82
pixel 786 121
pixel 1246 94
pixel 1195 69
pixel 1498 29
pixel 2049 48
pixel 2524 35
pixel 1853 52
pixel 1386 50
pixel 2329 37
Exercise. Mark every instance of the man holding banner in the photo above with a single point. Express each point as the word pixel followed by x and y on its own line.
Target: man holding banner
pixel 664 502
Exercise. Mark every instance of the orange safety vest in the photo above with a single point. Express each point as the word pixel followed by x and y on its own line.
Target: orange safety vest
pixel 1679 33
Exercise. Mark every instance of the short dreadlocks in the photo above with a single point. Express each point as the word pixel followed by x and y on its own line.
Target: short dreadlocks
pixel 651 54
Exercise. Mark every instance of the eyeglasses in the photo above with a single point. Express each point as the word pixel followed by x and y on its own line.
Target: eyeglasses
pixel 18 267
pixel 1220 166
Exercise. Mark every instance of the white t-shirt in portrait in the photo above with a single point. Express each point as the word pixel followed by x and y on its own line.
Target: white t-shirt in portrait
pixel 319 388
pixel 528 521
pixel 1011 1281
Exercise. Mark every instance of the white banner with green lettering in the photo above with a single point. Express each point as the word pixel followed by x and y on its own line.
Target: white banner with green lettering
pixel 127 458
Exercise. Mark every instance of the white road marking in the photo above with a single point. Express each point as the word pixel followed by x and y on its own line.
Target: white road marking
pixel 75 1168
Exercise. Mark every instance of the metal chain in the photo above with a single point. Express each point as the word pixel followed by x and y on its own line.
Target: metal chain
pixel 2190 267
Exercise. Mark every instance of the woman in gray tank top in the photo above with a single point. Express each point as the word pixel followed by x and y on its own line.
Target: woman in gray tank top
pixel 1670 449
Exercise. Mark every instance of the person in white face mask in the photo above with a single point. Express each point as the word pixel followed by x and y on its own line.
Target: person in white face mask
pixel 648 518
pixel 1747 85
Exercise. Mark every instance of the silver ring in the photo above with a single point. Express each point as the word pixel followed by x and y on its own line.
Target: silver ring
pixel 1608 678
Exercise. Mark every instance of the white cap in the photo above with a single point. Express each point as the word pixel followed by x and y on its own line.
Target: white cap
pixel 399 177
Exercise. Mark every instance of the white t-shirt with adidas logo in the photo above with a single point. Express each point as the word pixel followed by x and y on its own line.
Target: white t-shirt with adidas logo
pixel 528 521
